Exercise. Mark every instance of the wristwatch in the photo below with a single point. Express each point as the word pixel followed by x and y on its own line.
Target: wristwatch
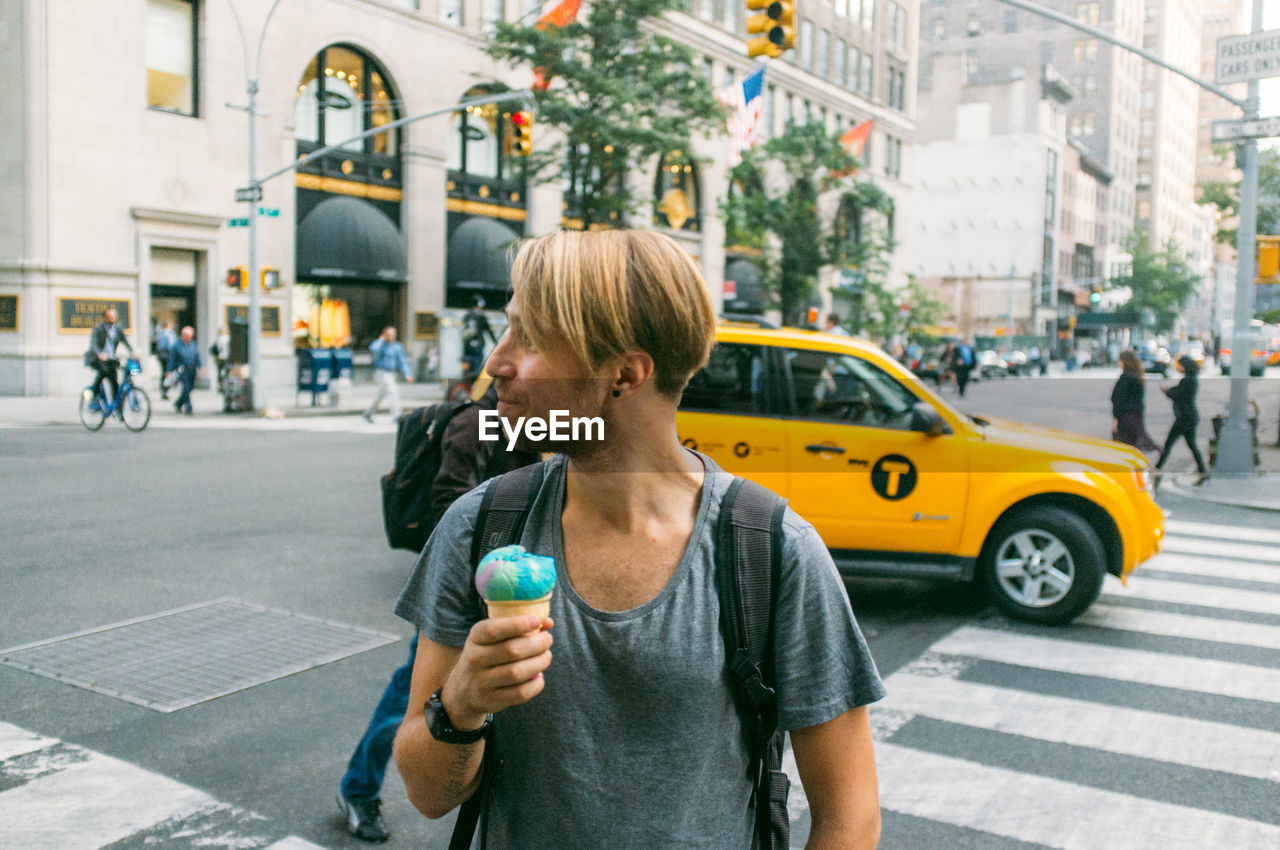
pixel 442 728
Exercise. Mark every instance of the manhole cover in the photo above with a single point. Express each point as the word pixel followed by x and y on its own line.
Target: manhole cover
pixel 179 658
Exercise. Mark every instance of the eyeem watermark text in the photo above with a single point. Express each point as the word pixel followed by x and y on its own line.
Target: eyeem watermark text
pixel 560 427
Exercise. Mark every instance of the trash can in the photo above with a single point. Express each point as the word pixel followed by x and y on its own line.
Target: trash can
pixel 315 366
pixel 238 395
pixel 238 350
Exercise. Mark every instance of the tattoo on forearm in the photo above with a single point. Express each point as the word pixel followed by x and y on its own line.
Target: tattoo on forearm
pixel 456 782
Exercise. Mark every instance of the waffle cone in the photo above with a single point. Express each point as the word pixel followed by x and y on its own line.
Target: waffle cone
pixel 519 607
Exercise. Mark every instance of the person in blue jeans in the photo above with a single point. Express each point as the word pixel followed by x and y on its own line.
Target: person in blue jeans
pixel 186 361
pixel 465 462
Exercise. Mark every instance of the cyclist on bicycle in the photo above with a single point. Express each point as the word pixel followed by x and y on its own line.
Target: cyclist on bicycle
pixel 474 326
pixel 101 355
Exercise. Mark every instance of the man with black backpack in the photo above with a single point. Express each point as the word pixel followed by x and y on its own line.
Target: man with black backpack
pixel 695 617
pixel 439 456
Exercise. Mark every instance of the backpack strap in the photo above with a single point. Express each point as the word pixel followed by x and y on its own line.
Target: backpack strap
pixel 748 566
pixel 504 508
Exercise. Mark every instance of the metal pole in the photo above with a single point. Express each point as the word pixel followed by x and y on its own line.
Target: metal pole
pixel 1235 443
pixel 255 314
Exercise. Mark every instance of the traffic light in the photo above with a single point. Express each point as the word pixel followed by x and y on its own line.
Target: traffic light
pixel 238 277
pixel 1095 294
pixel 522 132
pixel 1268 259
pixel 269 278
pixel 776 26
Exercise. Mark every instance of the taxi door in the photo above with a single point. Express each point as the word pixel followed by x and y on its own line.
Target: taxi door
pixel 857 470
pixel 729 413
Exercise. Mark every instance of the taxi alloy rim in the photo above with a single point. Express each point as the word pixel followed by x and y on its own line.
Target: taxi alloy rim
pixel 1035 568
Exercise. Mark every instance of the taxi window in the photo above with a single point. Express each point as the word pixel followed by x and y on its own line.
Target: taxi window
pixel 735 380
pixel 834 387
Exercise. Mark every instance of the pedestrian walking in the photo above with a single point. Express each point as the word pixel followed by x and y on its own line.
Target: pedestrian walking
pixel 834 325
pixel 185 361
pixel 388 359
pixel 105 338
pixel 962 362
pixel 1128 404
pixel 631 736
pixel 1186 416
pixel 221 353
pixel 465 462
pixel 475 326
pixel 166 339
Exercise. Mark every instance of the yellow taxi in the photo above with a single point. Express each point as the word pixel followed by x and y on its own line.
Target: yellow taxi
pixel 899 483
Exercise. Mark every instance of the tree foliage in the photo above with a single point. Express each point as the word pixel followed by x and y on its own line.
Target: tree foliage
pixel 785 222
pixel 1226 196
pixel 1159 280
pixel 619 96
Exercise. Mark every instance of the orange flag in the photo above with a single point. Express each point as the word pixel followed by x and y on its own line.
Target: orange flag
pixel 854 139
pixel 562 14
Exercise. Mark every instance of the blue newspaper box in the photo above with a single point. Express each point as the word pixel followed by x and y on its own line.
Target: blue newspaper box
pixel 342 368
pixel 315 366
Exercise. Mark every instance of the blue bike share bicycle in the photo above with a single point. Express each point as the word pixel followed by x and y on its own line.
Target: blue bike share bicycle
pixel 131 404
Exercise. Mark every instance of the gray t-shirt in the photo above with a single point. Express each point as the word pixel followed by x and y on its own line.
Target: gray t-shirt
pixel 635 741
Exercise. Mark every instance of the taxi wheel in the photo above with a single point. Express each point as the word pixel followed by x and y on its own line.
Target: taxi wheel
pixel 1043 564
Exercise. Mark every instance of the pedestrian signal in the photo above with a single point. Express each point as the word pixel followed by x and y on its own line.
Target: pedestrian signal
pixel 238 277
pixel 775 25
pixel 522 132
pixel 269 278
pixel 1268 259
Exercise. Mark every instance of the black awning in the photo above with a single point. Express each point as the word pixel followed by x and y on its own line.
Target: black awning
pixel 350 239
pixel 480 254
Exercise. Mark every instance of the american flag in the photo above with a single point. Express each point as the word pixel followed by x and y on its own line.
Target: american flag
pixel 746 100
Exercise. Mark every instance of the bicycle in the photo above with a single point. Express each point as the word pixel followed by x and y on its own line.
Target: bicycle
pixel 134 412
pixel 459 389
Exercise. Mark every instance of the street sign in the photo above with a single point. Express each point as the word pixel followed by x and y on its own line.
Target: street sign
pixel 237 222
pixel 1245 128
pixel 1241 58
pixel 249 193
pixel 269 212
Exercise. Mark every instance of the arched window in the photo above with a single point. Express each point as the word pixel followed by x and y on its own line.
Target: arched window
pixel 675 193
pixel 848 228
pixel 344 92
pixel 482 163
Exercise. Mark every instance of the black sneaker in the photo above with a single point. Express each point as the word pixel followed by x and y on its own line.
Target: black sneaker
pixel 364 818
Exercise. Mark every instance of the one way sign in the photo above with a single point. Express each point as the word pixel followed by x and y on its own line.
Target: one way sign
pixel 1245 128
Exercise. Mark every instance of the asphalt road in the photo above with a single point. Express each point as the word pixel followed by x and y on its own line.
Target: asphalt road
pixel 108 527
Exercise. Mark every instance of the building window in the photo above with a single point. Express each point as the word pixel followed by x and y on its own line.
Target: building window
pixel 898 25
pixel 675 190
pixel 1088 13
pixel 343 93
pixel 838 59
pixel 975 26
pixel 842 8
pixel 491 13
pixel 896 89
pixel 1090 83
pixel 451 12
pixel 172 59
pixel 1010 21
pixel 868 76
pixel 868 15
pixel 806 45
pixel 1087 123
pixel 824 54
pixel 770 110
pixel 939 29
pixel 971 64
pixel 1148 128
pixel 851 71
pixel 1144 181
pixel 1148 99
pixel 893 157
pixel 1085 50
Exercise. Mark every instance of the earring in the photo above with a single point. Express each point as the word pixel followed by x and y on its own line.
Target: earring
pixel 617 393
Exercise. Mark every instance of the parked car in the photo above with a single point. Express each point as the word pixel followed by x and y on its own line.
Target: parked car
pixel 992 365
pixel 1017 363
pixel 1155 358
pixel 900 483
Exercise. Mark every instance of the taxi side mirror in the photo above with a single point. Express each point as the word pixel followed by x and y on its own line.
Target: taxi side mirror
pixel 927 421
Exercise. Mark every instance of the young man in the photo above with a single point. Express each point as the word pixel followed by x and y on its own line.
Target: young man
pixel 630 736
pixel 388 359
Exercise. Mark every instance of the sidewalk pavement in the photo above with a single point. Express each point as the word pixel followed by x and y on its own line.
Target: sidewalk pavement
pixel 280 402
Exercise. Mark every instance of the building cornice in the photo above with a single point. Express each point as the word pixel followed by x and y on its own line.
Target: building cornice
pixel 174 217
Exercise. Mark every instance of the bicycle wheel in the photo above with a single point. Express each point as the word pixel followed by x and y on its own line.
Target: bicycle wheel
pixel 135 409
pixel 91 419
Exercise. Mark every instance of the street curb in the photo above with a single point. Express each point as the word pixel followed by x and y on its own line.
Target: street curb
pixel 1232 501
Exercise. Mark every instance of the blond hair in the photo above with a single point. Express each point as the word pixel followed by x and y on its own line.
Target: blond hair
pixel 612 291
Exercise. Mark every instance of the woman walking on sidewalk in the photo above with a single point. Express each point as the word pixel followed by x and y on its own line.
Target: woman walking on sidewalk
pixel 1185 417
pixel 1128 405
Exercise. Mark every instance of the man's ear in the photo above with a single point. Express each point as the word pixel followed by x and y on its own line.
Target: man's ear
pixel 635 369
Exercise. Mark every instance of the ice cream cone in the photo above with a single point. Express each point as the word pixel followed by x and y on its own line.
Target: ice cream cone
pixel 519 607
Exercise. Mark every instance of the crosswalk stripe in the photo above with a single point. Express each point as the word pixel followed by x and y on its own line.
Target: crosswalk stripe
pixel 1214 567
pixel 16 741
pixel 293 842
pixel 1188 593
pixel 1141 620
pixel 1221 549
pixel 91 804
pixel 1146 734
pixel 1018 805
pixel 1222 532
pixel 1134 665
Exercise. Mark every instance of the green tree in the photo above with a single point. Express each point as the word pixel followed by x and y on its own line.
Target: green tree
pixel 619 96
pixel 812 163
pixel 1159 280
pixel 1226 196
